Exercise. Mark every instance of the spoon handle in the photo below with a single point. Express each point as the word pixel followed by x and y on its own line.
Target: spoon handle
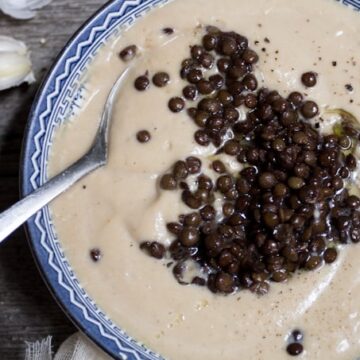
pixel 18 213
pixel 96 157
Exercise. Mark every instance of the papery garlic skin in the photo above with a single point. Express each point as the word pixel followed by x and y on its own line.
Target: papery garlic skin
pixel 15 63
pixel 22 9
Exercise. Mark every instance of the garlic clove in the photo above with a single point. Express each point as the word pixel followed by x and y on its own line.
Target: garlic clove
pixel 15 64
pixel 22 9
pixel 9 44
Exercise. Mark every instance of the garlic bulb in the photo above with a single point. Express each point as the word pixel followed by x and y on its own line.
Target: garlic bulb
pixel 15 64
pixel 22 9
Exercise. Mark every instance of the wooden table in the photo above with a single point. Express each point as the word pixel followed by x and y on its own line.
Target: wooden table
pixel 27 310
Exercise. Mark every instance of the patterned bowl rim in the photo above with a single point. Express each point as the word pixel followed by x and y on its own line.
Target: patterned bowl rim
pixel 44 245
pixel 43 118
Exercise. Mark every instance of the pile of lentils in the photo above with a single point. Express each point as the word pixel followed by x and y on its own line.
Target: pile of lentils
pixel 288 208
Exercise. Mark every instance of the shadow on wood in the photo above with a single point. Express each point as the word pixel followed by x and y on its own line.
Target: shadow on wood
pixel 27 310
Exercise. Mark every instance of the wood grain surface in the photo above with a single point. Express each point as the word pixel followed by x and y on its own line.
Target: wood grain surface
pixel 27 310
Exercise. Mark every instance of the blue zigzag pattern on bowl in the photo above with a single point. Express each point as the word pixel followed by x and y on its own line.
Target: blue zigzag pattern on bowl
pixel 63 91
pixel 354 3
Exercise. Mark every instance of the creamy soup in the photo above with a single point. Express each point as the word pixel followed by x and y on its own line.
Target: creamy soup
pixel 119 206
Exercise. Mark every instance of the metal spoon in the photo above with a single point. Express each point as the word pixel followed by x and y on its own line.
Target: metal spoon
pixel 96 157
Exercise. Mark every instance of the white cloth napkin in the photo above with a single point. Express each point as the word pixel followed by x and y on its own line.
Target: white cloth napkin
pixel 76 347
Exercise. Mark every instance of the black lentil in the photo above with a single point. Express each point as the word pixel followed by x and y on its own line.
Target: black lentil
pixel 225 282
pixel 95 254
pixel 266 228
pixel 190 92
pixel 192 219
pixel 189 236
pixel 250 56
pixel 176 104
pixel 309 109
pixel 205 87
pixel 309 79
pixel 223 64
pixel 217 81
pixel 330 255
pixel 168 30
pixel 161 79
pixel 194 76
pixel 218 166
pixel 295 349
pixel 142 83
pixel 349 87
pixel 250 101
pixel 193 164
pixel 128 53
pixel 168 182
pixel 210 41
pixel 197 51
pixel 154 249
pixel 297 335
pixel 206 60
pixel 180 170
pixel 296 99
pixel 267 180
pixel 174 228
pixel 143 136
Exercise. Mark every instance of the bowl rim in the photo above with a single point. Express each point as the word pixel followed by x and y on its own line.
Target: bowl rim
pixel 26 143
pixel 25 188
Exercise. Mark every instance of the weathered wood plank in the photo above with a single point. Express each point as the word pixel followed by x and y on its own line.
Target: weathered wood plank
pixel 27 310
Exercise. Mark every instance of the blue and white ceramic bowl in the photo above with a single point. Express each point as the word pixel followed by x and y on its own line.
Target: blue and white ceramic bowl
pixel 57 99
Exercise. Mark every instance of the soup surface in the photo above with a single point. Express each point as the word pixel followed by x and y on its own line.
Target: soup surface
pixel 119 206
